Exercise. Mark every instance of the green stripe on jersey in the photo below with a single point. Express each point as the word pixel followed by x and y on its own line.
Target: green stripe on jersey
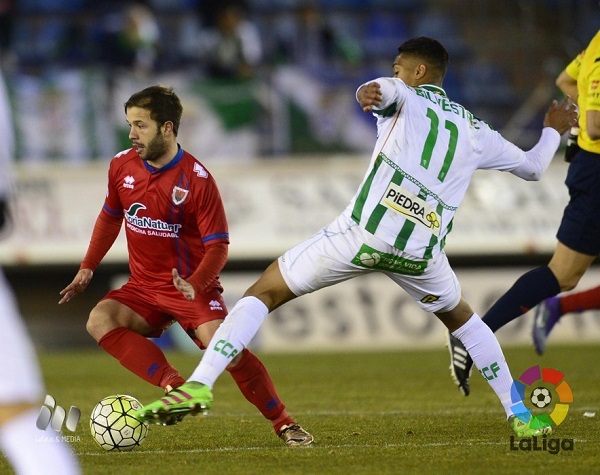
pixel 380 210
pixel 361 199
pixel 434 239
pixel 443 242
pixel 389 111
pixel 407 228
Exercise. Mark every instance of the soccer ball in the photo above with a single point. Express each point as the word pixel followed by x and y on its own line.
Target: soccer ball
pixel 113 423
pixel 541 397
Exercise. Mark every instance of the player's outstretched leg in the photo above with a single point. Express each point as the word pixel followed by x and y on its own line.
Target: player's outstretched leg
pixel 547 314
pixel 461 364
pixel 189 398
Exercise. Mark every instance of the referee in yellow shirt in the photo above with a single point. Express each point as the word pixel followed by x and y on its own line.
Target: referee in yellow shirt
pixel 579 232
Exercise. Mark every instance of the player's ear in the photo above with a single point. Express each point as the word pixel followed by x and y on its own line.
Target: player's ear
pixel 167 127
pixel 420 71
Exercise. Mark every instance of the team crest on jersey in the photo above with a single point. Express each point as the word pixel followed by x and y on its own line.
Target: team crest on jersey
pixel 413 208
pixel 179 195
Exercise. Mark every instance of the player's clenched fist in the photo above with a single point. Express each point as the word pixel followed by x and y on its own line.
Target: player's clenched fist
pixel 369 96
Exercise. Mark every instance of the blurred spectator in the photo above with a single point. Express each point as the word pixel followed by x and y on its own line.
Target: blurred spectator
pixel 230 45
pixel 74 48
pixel 311 42
pixel 224 48
pixel 318 67
pixel 129 39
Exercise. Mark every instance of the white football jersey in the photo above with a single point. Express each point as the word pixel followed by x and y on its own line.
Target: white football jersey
pixel 427 150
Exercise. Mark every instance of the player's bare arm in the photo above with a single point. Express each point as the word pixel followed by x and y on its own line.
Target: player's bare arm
pixel 183 286
pixel 567 85
pixel 77 286
pixel 369 95
pixel 561 117
pixel 593 124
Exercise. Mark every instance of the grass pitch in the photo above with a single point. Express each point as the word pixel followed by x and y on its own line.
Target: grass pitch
pixel 370 413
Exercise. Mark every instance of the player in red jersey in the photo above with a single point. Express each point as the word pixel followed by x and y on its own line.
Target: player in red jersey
pixel 176 229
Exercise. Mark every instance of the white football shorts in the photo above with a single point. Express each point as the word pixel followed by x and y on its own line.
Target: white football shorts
pixel 343 250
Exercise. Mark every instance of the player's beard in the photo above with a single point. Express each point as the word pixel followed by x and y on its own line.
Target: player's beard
pixel 156 148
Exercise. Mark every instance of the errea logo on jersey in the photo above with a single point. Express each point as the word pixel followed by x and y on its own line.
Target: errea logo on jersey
pixel 215 305
pixel 128 182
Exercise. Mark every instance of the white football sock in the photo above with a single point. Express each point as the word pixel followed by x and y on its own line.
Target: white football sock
pixel 484 349
pixel 32 451
pixel 232 336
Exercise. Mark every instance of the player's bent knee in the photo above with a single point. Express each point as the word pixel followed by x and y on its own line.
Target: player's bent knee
pixel 93 329
pixel 98 325
pixel 456 317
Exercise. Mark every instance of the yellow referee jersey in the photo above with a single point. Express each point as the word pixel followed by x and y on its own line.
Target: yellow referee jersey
pixel 585 69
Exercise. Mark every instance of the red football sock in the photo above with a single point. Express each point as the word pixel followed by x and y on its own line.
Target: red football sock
pixel 141 356
pixel 580 301
pixel 257 387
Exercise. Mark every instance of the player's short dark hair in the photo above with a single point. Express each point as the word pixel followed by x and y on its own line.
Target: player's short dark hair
pixel 429 50
pixel 161 101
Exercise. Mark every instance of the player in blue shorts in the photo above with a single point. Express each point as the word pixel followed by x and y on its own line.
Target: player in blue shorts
pixel 579 232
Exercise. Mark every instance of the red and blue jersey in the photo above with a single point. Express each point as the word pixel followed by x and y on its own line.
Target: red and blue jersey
pixel 171 214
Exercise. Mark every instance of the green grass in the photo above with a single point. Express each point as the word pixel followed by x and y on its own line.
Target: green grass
pixel 370 413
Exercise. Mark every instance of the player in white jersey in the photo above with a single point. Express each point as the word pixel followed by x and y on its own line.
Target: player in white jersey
pixel 28 449
pixel 427 150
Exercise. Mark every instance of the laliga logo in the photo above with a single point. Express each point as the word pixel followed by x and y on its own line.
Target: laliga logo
pixel 549 395
pixel 54 416
pixel 541 386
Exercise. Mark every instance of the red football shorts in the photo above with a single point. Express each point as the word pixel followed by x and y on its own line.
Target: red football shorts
pixel 161 306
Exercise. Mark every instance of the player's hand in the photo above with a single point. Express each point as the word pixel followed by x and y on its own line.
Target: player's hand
pixel 563 116
pixel 183 286
pixel 79 284
pixel 369 95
